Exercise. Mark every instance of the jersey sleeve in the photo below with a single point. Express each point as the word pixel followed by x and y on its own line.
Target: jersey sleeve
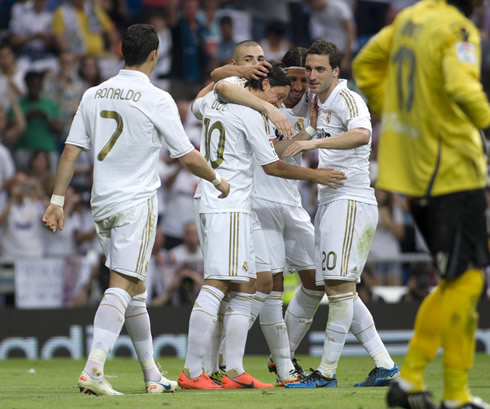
pixel 78 132
pixel 257 129
pixel 357 115
pixel 168 124
pixel 461 71
pixel 198 108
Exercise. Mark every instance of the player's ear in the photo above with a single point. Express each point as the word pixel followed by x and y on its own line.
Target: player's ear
pixel 266 84
pixel 233 62
pixel 336 72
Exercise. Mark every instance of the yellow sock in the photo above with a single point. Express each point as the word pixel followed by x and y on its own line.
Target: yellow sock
pixel 459 323
pixel 426 340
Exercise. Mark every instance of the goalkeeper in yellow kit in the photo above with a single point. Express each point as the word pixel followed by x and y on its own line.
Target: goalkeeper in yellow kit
pixel 422 74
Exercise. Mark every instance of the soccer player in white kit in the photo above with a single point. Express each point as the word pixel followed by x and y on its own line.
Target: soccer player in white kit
pixel 124 121
pixel 231 135
pixel 346 218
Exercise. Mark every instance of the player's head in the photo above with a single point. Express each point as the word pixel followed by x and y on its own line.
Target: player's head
pixel 294 61
pixel 273 88
pixel 248 52
pixel 322 66
pixel 139 41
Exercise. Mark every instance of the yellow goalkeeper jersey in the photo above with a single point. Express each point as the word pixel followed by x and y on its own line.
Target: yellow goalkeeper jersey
pixel 422 74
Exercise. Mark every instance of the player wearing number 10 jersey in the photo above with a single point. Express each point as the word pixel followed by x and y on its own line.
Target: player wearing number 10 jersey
pixel 124 121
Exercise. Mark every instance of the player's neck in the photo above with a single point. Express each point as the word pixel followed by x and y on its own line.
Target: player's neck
pixel 322 96
pixel 145 68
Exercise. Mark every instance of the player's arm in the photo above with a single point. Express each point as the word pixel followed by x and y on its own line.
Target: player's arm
pixel 331 178
pixel 254 71
pixel 197 165
pixel 242 96
pixel 53 216
pixel 351 139
pixel 461 71
pixel 370 67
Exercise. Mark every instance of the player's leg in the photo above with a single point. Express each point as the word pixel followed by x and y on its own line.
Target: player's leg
pixel 300 253
pixel 126 239
pixel 275 333
pixel 204 314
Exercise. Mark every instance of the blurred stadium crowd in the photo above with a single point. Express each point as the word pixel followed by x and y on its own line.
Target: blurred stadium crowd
pixel 51 51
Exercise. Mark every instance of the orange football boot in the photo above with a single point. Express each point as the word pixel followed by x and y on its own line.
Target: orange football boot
pixel 201 382
pixel 231 380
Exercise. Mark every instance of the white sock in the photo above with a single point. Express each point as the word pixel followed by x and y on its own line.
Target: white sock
pixel 276 335
pixel 257 303
pixel 139 329
pixel 340 312
pixel 365 331
pixel 204 317
pixel 211 359
pixel 108 322
pixel 299 315
pixel 237 316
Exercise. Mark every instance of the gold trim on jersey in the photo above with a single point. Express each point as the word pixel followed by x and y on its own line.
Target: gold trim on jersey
pixel 203 288
pixel 266 123
pixel 234 243
pixel 145 240
pixel 351 102
pixel 348 236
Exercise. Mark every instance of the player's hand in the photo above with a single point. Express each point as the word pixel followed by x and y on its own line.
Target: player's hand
pixel 254 72
pixel 329 177
pixel 54 218
pixel 297 147
pixel 281 122
pixel 224 188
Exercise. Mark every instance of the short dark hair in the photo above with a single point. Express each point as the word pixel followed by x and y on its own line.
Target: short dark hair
pixel 246 43
pixel 138 41
pixel 322 47
pixel 225 20
pixel 295 57
pixel 277 76
pixel 33 75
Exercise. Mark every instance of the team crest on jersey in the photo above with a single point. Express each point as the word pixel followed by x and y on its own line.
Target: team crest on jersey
pixel 299 125
pixel 245 267
pixel 328 117
pixel 271 144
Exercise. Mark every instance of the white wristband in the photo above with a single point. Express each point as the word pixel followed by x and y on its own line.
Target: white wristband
pixel 217 181
pixel 57 200
pixel 310 131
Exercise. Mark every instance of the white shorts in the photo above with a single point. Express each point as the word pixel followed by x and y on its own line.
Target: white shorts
pixel 260 248
pixel 227 246
pixel 127 238
pixel 289 234
pixel 344 230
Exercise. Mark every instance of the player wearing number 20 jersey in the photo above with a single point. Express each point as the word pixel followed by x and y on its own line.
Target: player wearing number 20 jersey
pixel 126 114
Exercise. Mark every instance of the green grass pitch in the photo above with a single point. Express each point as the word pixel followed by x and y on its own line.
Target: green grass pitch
pixel 51 384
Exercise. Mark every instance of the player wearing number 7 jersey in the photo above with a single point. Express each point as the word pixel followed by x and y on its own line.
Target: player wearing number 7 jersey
pixel 124 121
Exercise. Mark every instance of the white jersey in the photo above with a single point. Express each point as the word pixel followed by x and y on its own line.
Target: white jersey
pixel 230 134
pixel 234 80
pixel 344 110
pixel 124 120
pixel 281 190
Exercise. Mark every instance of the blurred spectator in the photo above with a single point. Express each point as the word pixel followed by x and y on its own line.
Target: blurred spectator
pixel 89 71
pixel 298 32
pixel 118 12
pixel 190 60
pixel 386 243
pixel 30 33
pixel 85 235
pixel 11 131
pixel 264 12
pixel 180 185
pixel 11 76
pixel 40 170
pixel 189 270
pixel 275 44
pixel 396 6
pixel 43 124
pixel 208 17
pixel 21 217
pixel 226 44
pixel 160 75
pixel 370 16
pixel 66 88
pixel 92 282
pixel 82 27
pixel 332 20
pixel 418 282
